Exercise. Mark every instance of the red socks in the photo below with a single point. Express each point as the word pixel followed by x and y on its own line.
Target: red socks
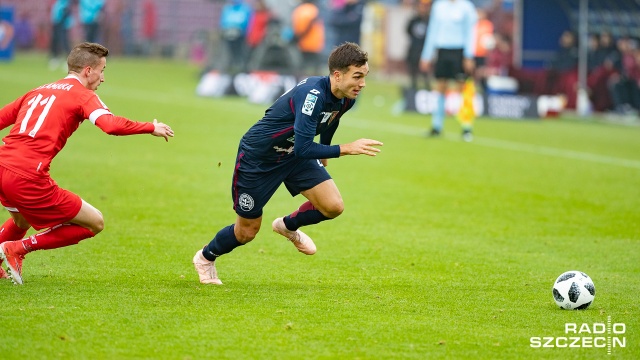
pixel 57 237
pixel 11 232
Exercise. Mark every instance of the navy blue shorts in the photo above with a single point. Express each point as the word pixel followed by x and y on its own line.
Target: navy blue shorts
pixel 255 181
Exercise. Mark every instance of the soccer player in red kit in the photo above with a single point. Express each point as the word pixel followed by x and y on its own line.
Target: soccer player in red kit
pixel 42 120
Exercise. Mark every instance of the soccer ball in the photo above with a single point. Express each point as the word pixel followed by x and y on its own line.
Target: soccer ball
pixel 574 290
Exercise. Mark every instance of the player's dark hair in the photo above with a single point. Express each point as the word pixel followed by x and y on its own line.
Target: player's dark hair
pixel 86 54
pixel 346 55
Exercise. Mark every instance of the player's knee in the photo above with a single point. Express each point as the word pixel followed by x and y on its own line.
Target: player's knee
pixel 21 222
pixel 334 209
pixel 246 234
pixel 98 225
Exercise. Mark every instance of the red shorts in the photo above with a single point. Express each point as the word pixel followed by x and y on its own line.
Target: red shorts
pixel 42 202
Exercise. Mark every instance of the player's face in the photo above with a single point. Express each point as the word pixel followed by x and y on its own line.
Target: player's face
pixel 352 82
pixel 95 75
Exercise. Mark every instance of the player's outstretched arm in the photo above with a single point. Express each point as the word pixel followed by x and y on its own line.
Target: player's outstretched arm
pixel 361 146
pixel 121 126
pixel 161 129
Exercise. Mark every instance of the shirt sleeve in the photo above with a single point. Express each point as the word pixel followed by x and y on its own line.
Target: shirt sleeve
pixel 430 40
pixel 118 125
pixel 327 135
pixel 470 31
pixel 308 107
pixel 9 113
pixel 98 113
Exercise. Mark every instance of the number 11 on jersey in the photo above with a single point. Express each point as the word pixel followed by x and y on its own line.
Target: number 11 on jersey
pixel 34 102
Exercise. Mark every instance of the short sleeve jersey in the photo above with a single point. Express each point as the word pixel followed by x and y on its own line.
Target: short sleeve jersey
pixel 307 110
pixel 43 119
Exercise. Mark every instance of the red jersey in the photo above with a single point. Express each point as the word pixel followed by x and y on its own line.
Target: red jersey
pixel 45 117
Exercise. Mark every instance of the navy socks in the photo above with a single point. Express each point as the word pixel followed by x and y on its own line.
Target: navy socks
pixel 224 242
pixel 307 214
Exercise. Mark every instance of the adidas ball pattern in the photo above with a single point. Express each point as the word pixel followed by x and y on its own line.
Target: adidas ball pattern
pixel 574 290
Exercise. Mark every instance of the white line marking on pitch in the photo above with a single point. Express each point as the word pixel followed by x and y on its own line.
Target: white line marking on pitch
pixel 500 144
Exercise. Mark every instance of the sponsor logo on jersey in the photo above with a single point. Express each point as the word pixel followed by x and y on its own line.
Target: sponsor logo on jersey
pixel 328 116
pixel 288 150
pixel 309 104
pixel 245 201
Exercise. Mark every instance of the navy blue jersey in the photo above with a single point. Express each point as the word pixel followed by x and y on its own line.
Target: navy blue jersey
pixel 289 126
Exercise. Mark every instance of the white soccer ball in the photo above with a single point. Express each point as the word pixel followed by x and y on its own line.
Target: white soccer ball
pixel 574 290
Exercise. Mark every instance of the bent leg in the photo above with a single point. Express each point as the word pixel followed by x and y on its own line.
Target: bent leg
pixel 15 228
pixel 90 218
pixel 87 223
pixel 325 202
pixel 56 237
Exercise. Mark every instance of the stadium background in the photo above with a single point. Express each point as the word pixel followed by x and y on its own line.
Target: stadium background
pixel 190 30
pixel 186 25
pixel 448 249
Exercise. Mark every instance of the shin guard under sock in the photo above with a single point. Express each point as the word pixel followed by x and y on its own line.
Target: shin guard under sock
pixel 11 232
pixel 224 242
pixel 57 237
pixel 307 214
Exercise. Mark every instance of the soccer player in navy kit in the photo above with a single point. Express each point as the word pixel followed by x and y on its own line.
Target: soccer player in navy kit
pixel 280 149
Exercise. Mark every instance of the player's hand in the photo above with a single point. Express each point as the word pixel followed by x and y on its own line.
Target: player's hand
pixel 324 162
pixel 359 147
pixel 162 130
pixel 425 66
pixel 469 66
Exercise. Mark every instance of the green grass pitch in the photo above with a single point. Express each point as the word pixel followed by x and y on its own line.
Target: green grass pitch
pixel 446 249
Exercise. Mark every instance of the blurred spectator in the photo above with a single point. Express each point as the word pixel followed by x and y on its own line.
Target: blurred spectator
pixel 566 58
pixel 625 86
pixel 483 37
pixel 308 34
pixel 562 75
pixel 257 28
pixel 24 33
pixel 233 23
pixel 275 53
pixel 417 31
pixel 89 11
pixel 604 65
pixel 346 21
pixel 609 50
pixel 149 29
pixel 595 57
pixel 61 20
pixel 129 46
pixel 499 60
pixel 113 13
pixel 500 13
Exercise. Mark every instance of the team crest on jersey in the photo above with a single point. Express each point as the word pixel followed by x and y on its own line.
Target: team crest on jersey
pixel 309 104
pixel 245 201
